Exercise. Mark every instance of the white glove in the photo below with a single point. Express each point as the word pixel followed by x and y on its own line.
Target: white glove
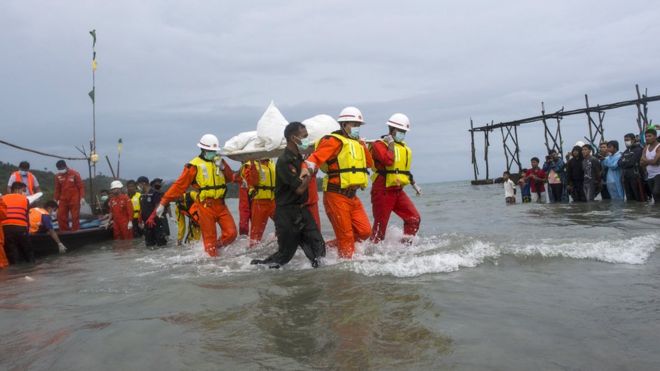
pixel 311 166
pixel 130 225
pixel 160 210
pixel 82 201
pixel 61 247
pixel 417 189
pixel 388 139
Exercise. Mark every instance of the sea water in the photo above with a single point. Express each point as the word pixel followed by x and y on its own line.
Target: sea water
pixel 484 286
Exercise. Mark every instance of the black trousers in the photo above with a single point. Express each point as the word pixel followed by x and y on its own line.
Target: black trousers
pixel 17 244
pixel 577 193
pixel 156 235
pixel 295 226
pixel 556 191
pixel 634 189
pixel 654 186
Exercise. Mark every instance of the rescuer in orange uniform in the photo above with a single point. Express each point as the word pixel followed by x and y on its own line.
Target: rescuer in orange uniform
pixel 121 212
pixel 260 177
pixel 69 194
pixel 313 200
pixel 392 160
pixel 3 214
pixel 345 160
pixel 24 175
pixel 209 175
pixel 243 203
pixel 41 222
pixel 15 225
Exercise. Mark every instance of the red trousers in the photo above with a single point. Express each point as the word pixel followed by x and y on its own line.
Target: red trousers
pixel 120 229
pixel 349 221
pixel 243 211
pixel 65 207
pixel 262 210
pixel 385 201
pixel 209 212
pixel 3 257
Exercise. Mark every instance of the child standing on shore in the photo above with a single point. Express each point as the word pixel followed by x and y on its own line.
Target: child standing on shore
pixel 509 189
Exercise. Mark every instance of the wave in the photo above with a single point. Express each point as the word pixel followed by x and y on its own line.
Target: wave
pixel 427 255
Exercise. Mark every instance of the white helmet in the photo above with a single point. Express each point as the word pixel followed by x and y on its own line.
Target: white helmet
pixel 350 114
pixel 399 121
pixel 116 184
pixel 579 143
pixel 209 142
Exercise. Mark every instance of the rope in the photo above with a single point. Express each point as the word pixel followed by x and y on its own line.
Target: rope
pixel 42 153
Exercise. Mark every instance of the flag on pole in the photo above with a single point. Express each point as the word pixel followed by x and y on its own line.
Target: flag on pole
pixel 94 64
pixel 120 145
pixel 93 33
pixel 92 94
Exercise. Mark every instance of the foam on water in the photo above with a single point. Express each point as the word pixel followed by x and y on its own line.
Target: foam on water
pixel 432 254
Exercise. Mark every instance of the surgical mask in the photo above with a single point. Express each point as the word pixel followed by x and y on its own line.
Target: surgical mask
pixel 399 136
pixel 23 173
pixel 62 171
pixel 104 198
pixel 208 155
pixel 628 143
pixel 304 144
pixel 355 132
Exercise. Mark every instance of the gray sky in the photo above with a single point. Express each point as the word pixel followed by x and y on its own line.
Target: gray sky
pixel 170 71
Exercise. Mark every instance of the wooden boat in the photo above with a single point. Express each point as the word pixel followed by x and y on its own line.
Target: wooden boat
pixel 42 244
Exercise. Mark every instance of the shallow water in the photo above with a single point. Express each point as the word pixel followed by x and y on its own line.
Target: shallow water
pixel 485 286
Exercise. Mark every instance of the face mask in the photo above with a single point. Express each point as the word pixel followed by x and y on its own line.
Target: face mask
pixel 61 171
pixel 304 144
pixel 23 173
pixel 628 143
pixel 157 186
pixel 104 198
pixel 399 136
pixel 355 132
pixel 208 155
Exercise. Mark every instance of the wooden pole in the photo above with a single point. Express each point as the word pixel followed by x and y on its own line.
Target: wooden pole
pixel 506 155
pixel 474 155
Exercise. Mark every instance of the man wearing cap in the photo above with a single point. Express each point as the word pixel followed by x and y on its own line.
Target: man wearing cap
pixel 24 175
pixel 121 212
pixel 392 160
pixel 209 175
pixel 345 159
pixel 630 171
pixel 154 228
pixel 69 194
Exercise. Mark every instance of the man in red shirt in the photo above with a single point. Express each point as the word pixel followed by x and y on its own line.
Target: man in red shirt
pixel 69 194
pixel 536 177
pixel 121 211
pixel 392 159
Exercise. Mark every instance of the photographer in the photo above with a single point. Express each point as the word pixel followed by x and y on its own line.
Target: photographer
pixel 554 167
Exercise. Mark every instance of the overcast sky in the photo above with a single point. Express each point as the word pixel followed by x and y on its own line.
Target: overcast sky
pixel 170 71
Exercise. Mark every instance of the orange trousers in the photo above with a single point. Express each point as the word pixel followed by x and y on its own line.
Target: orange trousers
pixel 261 211
pixel 65 207
pixel 209 212
pixel 349 221
pixel 3 257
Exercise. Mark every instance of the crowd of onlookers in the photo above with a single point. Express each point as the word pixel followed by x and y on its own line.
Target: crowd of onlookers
pixel 632 174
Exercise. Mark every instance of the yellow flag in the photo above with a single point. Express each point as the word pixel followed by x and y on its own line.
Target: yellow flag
pixel 94 65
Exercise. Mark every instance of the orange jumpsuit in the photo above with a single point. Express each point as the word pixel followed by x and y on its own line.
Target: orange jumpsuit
pixel 121 209
pixel 3 214
pixel 347 215
pixel 208 212
pixel 261 209
pixel 243 205
pixel 69 190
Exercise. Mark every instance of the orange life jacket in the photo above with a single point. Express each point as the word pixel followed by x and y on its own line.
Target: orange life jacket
pixel 29 183
pixel 35 219
pixel 17 210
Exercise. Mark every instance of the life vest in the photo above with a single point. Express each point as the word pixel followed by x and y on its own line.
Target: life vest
pixel 36 214
pixel 265 190
pixel 135 200
pixel 17 210
pixel 350 165
pixel 184 205
pixel 29 183
pixel 397 174
pixel 210 181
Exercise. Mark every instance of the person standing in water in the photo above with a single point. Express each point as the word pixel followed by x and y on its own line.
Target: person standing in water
pixel 613 178
pixel 592 173
pixel 294 224
pixel 392 160
pixel 631 174
pixel 651 161
pixel 509 189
